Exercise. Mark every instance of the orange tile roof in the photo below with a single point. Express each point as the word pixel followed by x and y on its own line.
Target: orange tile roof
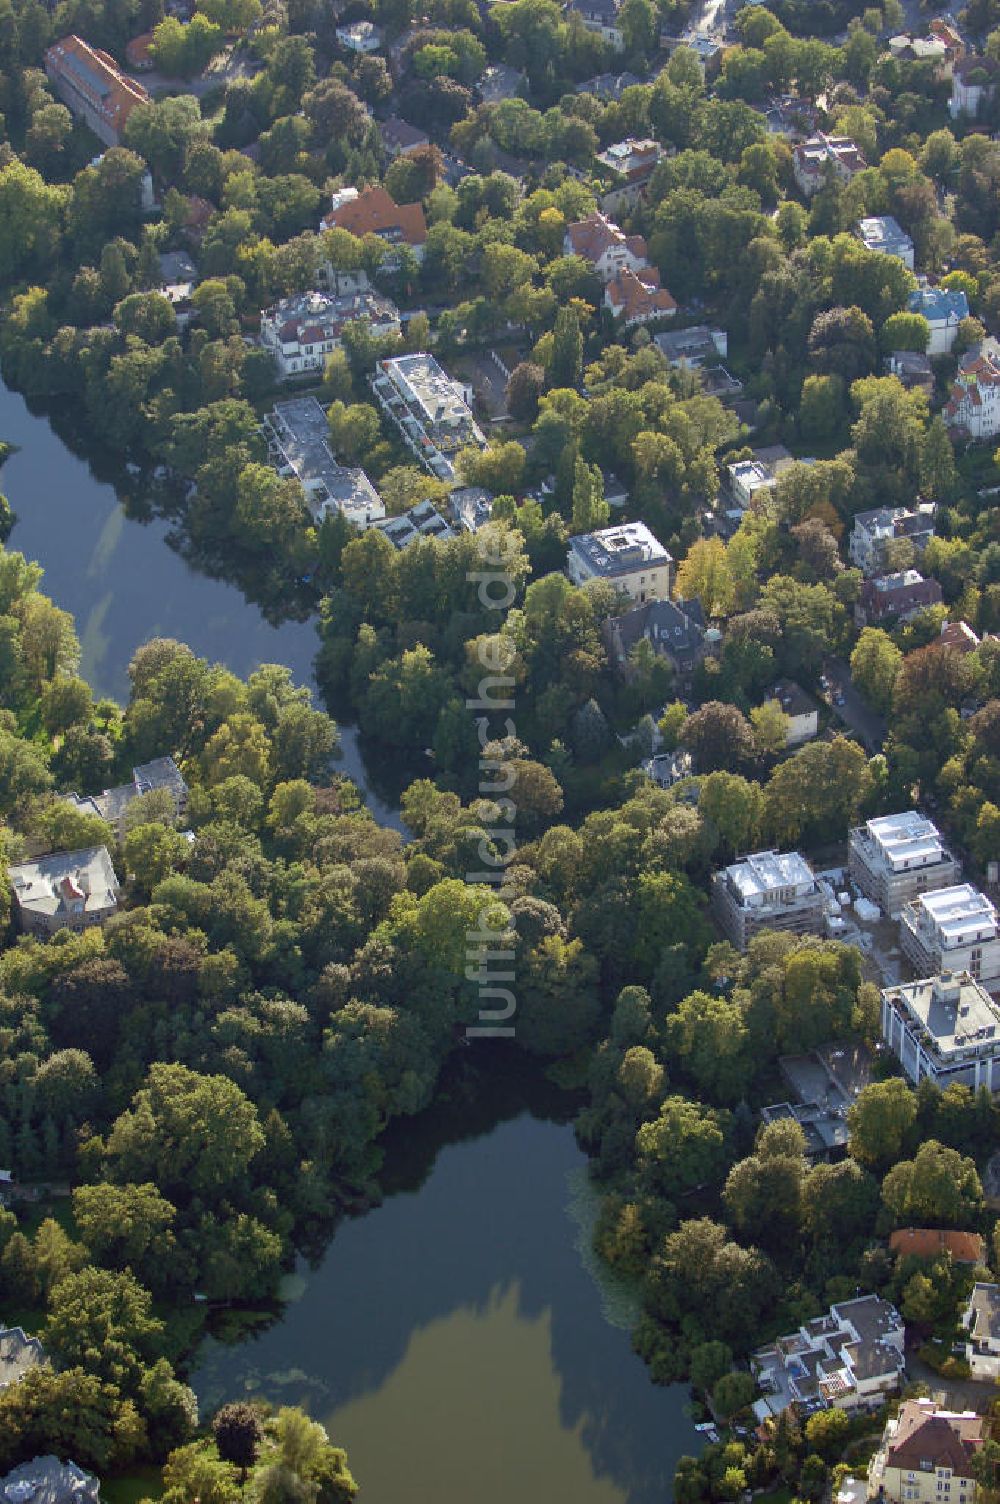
pixel 95 77
pixel 928 1242
pixel 592 236
pixel 640 296
pixel 375 212
pixel 137 52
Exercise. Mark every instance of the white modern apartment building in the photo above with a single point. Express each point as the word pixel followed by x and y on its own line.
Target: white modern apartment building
pixel 431 411
pixel 895 858
pixel 954 929
pixel 298 443
pixel 848 1359
pixel 946 1028
pixel 629 557
pixel 301 332
pixel 768 890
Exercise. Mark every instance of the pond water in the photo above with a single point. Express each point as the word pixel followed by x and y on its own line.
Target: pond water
pixel 458 1339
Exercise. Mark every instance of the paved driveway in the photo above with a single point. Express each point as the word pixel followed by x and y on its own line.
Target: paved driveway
pixel 856 713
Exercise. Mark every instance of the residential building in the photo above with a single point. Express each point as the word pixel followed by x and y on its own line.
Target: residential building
pixel 944 308
pixel 849 1359
pixel 895 858
pixel 399 137
pixel 373 211
pixel 421 521
pixel 945 29
pixel 18 1355
pixel 431 411
pixel 631 165
pixel 471 507
pixel 67 890
pixel 953 929
pixel 360 36
pixel 695 347
pixel 813 159
pixel 179 276
pixel 874 531
pixel 138 53
pixel 790 116
pixel 931 1242
pixel 926 1456
pixel 668 768
pixel 676 630
pixel 944 1028
pixel 981 1320
pixel 628 556
pixel 912 49
pixel 605 245
pixel 499 82
pixel 746 478
pixel 973 84
pixel 959 636
pixel 800 709
pixel 974 405
pixel 896 597
pixel 113 804
pixel 637 297
pixel 300 332
pixel 912 368
pixel 767 890
pixel 46 1480
pixel 93 87
pixel 298 443
pixel 601 16
pixel 880 232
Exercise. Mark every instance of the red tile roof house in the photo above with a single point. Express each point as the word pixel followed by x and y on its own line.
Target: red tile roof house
pixel 637 297
pixel 138 53
pixel 93 87
pixel 929 1242
pixel 606 246
pixel 373 211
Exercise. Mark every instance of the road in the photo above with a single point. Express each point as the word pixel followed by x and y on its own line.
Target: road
pixel 857 715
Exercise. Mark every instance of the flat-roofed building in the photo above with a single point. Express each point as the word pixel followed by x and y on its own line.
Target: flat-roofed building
pixel 883 233
pixel 628 556
pixel 69 890
pixel 421 521
pixel 954 929
pixel 946 1028
pixel 768 890
pixel 895 858
pixel 431 411
pixel 93 87
pixel 297 436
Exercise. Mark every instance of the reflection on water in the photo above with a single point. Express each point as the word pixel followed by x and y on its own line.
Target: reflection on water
pixel 455 1341
pixel 123 582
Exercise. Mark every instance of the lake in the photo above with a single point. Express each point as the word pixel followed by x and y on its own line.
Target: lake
pixel 458 1339
pixel 123 581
